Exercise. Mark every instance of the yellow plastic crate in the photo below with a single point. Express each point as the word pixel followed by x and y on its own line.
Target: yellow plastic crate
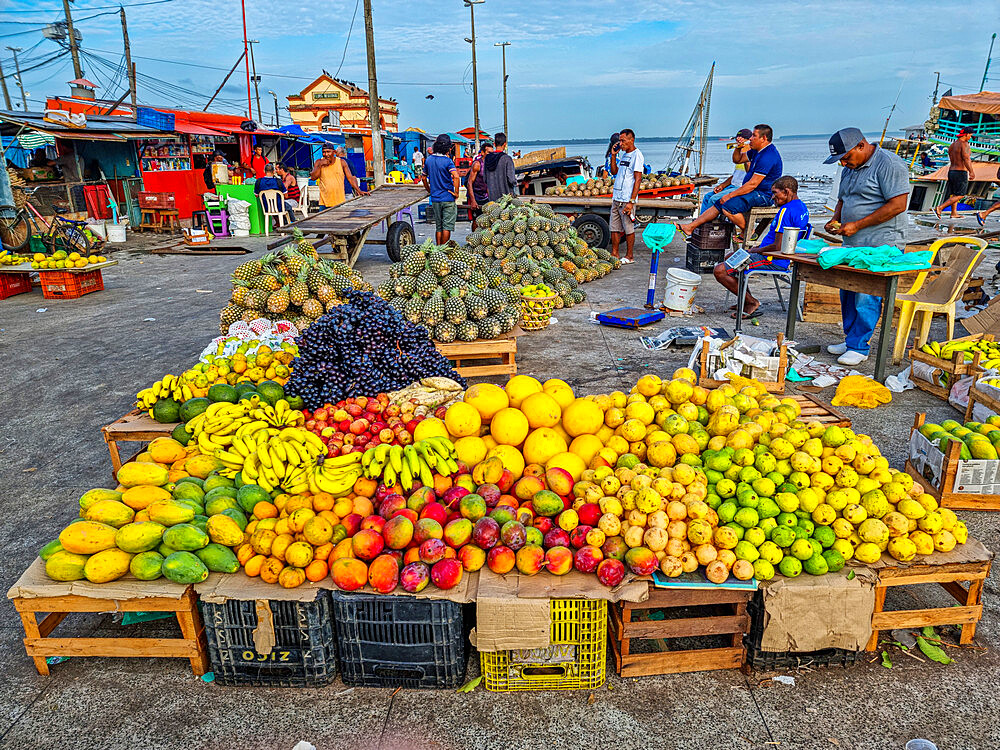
pixel 575 660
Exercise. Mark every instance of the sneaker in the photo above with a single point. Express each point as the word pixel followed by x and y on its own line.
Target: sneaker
pixel 837 349
pixel 851 358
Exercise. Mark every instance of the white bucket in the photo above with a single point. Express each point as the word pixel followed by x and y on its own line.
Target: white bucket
pixel 98 228
pixel 681 286
pixel 116 232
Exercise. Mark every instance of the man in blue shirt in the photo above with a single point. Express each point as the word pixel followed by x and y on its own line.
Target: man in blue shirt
pixel 442 181
pixel 764 168
pixel 792 214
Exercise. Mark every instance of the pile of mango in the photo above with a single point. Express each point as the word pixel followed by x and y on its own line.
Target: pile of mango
pixel 989 351
pixel 978 440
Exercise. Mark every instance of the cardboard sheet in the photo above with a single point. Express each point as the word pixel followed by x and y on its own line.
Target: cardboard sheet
pixel 810 613
pixel 34 584
pixel 985 321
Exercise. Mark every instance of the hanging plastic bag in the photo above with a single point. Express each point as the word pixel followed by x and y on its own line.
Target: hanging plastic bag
pixel 862 392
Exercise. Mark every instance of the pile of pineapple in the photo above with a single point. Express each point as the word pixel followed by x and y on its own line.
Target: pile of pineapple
pixel 291 284
pixel 530 244
pixel 455 294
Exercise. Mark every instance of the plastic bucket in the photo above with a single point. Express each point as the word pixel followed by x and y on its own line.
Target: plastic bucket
pixel 681 286
pixel 99 228
pixel 116 232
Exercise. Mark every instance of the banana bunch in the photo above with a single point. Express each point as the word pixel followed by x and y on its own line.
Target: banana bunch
pixel 418 461
pixel 217 426
pixel 336 475
pixel 169 386
pixel 988 351
pixel 271 458
pixel 279 415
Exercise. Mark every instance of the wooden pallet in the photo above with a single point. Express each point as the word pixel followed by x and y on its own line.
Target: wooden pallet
pixel 814 410
pixel 485 357
pixel 974 291
pixel 627 624
pixel 135 427
pixel 821 304
pixel 950 577
pixel 777 386
pixel 957 367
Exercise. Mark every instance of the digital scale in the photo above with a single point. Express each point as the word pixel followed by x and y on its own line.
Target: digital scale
pixel 629 317
pixel 656 237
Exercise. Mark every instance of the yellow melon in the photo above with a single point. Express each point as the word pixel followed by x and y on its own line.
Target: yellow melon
pixel 542 444
pixel 582 417
pixel 560 390
pixel 510 457
pixel 586 447
pixel 471 449
pixel 488 399
pixel 509 426
pixel 520 387
pixel 568 461
pixel 542 410
pixel 462 420
pixel 430 427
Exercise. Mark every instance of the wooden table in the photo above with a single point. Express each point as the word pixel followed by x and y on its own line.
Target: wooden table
pixel 136 426
pixel 26 268
pixel 876 283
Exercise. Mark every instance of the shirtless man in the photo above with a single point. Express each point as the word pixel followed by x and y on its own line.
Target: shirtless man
pixel 960 171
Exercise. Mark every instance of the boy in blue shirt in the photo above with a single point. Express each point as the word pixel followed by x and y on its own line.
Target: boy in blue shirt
pixel 442 182
pixel 792 214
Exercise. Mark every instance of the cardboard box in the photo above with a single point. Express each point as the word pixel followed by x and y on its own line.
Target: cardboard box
pixel 35 584
pixel 985 321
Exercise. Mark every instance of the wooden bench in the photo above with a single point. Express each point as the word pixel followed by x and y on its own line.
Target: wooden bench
pixel 136 426
pixel 485 357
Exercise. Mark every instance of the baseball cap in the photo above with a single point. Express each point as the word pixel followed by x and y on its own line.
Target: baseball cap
pixel 328 147
pixel 743 133
pixel 443 140
pixel 965 131
pixel 843 141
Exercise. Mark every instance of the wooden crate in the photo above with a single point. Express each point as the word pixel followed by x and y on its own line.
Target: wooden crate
pixel 945 494
pixel 627 625
pixel 957 367
pixel 821 304
pixel 485 357
pixel 974 291
pixel 950 576
pixel 136 426
pixel 777 386
pixel 814 410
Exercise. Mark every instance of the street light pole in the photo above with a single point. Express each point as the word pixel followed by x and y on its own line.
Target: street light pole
pixel 255 77
pixel 378 165
pixel 277 123
pixel 475 77
pixel 17 74
pixel 503 50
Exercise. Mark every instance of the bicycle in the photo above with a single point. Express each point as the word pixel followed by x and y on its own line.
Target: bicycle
pixel 17 225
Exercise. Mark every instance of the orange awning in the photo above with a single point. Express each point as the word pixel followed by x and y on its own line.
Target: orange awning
pixel 190 129
pixel 985 102
pixel 986 171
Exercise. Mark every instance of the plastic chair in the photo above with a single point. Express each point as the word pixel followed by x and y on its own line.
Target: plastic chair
pixel 218 217
pixel 309 194
pixel 784 277
pixel 937 295
pixel 272 208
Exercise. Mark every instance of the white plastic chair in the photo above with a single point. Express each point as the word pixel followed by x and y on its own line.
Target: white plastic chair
pixel 271 206
pixel 308 195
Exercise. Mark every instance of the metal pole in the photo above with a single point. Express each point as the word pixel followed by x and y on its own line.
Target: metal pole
pixel 990 55
pixel 475 77
pixel 246 58
pixel 6 95
pixel 77 70
pixel 256 79
pixel 17 74
pixel 225 80
pixel 378 166
pixel 937 83
pixel 277 122
pixel 503 51
pixel 128 59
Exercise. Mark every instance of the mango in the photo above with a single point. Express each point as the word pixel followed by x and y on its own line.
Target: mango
pixel 224 530
pixel 184 567
pixel 185 536
pixel 111 512
pixel 218 559
pixel 170 512
pixel 65 566
pixel 139 537
pixel 107 565
pixel 135 473
pixel 87 537
pixel 147 566
pixel 91 497
pixel 143 495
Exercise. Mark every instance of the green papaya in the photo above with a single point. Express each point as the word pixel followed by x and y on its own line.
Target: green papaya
pixel 218 559
pixel 219 503
pixel 49 549
pixel 929 428
pixel 184 567
pixel 147 566
pixel 170 512
pixel 66 566
pixel 190 480
pixel 185 490
pixel 166 550
pixel 185 536
pixel 238 516
pixel 216 481
pixel 251 494
pixel 981 448
pixel 139 537
pixel 201 522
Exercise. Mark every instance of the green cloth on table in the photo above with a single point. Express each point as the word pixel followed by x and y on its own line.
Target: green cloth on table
pixel 811 247
pixel 884 258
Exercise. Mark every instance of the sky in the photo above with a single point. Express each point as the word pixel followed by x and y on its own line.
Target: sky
pixel 576 68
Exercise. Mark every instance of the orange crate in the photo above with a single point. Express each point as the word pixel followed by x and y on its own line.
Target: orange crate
pixel 14 283
pixel 65 285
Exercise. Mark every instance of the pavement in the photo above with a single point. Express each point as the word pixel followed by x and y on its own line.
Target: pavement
pixel 69 367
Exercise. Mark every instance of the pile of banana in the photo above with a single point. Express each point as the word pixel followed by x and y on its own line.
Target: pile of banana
pixel 336 475
pixel 169 386
pixel 271 458
pixel 419 461
pixel 989 351
pixel 279 415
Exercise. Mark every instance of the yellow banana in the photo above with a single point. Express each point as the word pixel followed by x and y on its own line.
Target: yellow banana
pixel 405 477
pixel 277 465
pixel 292 453
pixel 412 459
pixel 396 458
pixel 262 455
pixel 240 446
pixel 389 476
pixel 252 467
pixel 230 458
pixel 426 475
pixel 279 449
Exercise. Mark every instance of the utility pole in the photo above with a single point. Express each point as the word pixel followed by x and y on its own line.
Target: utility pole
pixel 503 50
pixel 475 78
pixel 128 59
pixel 6 95
pixel 277 122
pixel 378 167
pixel 937 83
pixel 246 58
pixel 988 57
pixel 77 70
pixel 17 74
pixel 255 78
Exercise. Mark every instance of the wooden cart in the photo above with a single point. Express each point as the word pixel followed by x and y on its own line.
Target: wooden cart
pixel 345 228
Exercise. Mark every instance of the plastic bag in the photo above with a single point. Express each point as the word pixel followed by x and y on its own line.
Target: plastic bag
pixel 862 392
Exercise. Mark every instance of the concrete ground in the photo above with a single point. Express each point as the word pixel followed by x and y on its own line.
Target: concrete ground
pixel 67 368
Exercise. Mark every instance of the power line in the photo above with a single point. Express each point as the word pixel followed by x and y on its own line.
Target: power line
pixel 346 43
pixel 98 7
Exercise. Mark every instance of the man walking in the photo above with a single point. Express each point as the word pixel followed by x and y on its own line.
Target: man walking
pixel 442 181
pixel 500 179
pixel 418 162
pixel 627 164
pixel 329 173
pixel 960 171
pixel 475 181
pixel 874 190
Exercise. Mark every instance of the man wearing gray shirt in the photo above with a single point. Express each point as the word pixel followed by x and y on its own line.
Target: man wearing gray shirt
pixel 874 191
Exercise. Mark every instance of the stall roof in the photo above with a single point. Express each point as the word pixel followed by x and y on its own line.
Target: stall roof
pixel 191 129
pixel 98 127
pixel 985 102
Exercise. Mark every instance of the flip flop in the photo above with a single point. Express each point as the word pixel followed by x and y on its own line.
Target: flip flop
pixel 626 261
pixel 749 316
pixel 980 219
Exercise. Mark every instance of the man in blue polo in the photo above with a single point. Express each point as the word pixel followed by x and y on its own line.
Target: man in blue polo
pixel 871 203
pixel 764 168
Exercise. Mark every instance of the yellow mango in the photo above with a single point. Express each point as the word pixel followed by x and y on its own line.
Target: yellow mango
pixel 107 565
pixel 90 497
pixel 135 473
pixel 165 450
pixel 111 512
pixel 87 537
pixel 225 531
pixel 143 495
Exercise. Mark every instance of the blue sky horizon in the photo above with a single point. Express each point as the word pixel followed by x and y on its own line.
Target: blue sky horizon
pixel 577 69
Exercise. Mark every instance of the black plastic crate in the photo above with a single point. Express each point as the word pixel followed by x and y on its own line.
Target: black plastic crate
pixel 399 641
pixel 771 660
pixel 304 653
pixel 715 235
pixel 697 260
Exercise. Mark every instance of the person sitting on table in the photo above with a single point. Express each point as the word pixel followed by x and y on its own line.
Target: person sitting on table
pixel 792 214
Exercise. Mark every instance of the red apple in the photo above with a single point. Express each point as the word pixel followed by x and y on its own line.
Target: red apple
pixel 320 415
pixel 436 511
pixel 354 410
pixel 578 536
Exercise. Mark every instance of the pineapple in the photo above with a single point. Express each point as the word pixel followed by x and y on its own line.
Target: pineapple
pixel 405 286
pixel 415 263
pixel 413 311
pixel 229 315
pixel 444 332
pixel 438 264
pixel 332 304
pixel 325 293
pixel 312 308
pixel 277 302
pixel 433 309
pixel 467 331
pixel 495 301
pixel 427 282
pixel 257 299
pixel 316 275
pixel 240 291
pixel 246 271
pixel 304 246
pixel 386 290
pixel 476 307
pixel 454 308
pixel 299 290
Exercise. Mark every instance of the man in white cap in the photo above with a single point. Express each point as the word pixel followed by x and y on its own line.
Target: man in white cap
pixel 871 203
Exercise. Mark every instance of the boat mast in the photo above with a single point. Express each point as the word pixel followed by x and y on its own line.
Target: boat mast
pixel 696 129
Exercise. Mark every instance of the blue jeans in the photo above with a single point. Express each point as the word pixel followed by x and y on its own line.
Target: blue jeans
pixel 860 313
pixel 711 198
pixel 743 203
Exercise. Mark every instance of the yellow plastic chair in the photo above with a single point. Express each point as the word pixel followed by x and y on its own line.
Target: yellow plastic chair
pixel 938 295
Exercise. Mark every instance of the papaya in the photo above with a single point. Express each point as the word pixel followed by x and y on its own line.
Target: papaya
pixel 219 503
pixel 107 565
pixel 111 512
pixel 191 480
pixel 184 567
pixel 94 496
pixel 214 481
pixel 185 536
pixel 201 522
pixel 251 494
pixel 143 495
pixel 139 537
pixel 982 448
pixel 237 515
pixel 147 566
pixel 224 530
pixel 184 490
pixel 170 512
pixel 199 466
pixel 65 566
pixel 166 450
pixel 87 537
pixel 198 508
pixel 135 473
pixel 929 428
pixel 50 549
pixel 218 559
pixel 166 550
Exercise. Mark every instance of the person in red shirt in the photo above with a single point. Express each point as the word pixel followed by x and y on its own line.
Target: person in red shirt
pixel 258 161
